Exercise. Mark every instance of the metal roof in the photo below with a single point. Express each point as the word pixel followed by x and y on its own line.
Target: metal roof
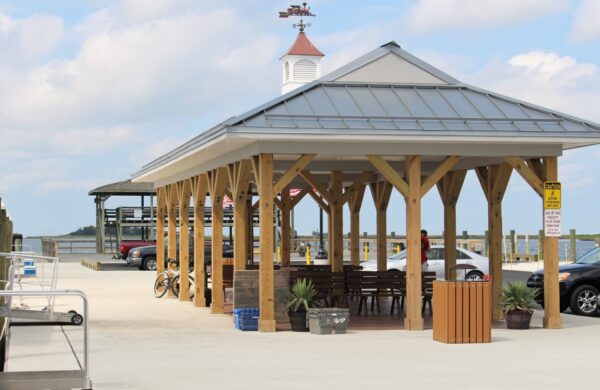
pixel 126 187
pixel 429 113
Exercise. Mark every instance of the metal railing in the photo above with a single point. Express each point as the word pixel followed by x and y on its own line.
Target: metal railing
pixel 33 378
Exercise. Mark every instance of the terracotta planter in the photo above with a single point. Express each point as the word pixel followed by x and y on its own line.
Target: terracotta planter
pixel 298 321
pixel 518 319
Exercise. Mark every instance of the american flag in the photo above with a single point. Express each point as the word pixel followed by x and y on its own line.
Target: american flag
pixel 295 191
pixel 227 202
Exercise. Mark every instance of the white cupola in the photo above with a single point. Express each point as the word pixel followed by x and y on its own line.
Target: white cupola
pixel 301 64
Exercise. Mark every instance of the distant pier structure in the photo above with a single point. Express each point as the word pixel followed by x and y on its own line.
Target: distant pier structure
pixel 114 220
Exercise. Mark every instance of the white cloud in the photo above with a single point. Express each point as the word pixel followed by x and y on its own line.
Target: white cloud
pixel 428 15
pixel 25 40
pixel 546 79
pixel 586 26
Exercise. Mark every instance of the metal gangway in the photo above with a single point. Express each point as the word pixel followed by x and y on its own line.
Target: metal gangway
pixel 28 271
pixel 41 380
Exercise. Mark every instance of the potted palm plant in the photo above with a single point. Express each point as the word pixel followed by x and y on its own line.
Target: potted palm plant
pixel 298 300
pixel 518 302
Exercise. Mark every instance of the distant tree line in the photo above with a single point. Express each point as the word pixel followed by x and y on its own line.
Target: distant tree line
pixel 91 231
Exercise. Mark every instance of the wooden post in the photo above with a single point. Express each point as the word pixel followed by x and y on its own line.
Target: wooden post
pixel 381 192
pixel 263 173
pixel 217 181
pixel 573 245
pixel 493 181
pixel 183 193
pixel 286 234
pixel 355 204
pixel 239 178
pixel 160 229
pixel 552 318
pixel 449 188
pixel 172 227
pixel 336 224
pixel 199 189
pixel 414 317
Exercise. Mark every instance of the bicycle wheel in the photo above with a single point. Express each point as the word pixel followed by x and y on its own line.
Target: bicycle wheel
pixel 161 285
pixel 192 288
pixel 175 286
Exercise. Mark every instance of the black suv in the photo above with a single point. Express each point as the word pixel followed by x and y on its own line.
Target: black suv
pixel 579 284
pixel 145 257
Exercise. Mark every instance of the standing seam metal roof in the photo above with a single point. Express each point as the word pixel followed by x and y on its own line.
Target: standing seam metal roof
pixel 326 106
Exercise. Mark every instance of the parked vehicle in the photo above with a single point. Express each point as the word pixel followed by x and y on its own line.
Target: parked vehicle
pixel 579 284
pixel 436 262
pixel 127 245
pixel 145 257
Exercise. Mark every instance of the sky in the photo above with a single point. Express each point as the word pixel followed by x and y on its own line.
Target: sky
pixel 92 90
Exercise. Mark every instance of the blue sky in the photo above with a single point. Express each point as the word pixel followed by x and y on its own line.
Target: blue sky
pixel 92 90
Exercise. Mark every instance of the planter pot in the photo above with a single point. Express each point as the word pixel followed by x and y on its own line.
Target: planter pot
pixel 518 319
pixel 298 321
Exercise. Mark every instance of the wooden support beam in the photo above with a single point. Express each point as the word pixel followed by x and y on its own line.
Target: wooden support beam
pixel 496 180
pixel 439 172
pixel 199 190
pixel 184 192
pixel 482 176
pixel 356 186
pixel 161 203
pixel 277 203
pixel 552 318
pixel 286 234
pixel 449 188
pixel 527 173
pixel 264 165
pixel 414 317
pixel 355 204
pixel 381 192
pixel 390 174
pixel 336 233
pixel 300 196
pixel 291 173
pixel 239 180
pixel 319 201
pixel 217 182
pixel 323 191
pixel 537 166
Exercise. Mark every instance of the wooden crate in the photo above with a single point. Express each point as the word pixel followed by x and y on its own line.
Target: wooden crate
pixel 462 312
pixel 245 291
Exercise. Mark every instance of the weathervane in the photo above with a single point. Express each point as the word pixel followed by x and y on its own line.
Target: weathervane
pixel 296 10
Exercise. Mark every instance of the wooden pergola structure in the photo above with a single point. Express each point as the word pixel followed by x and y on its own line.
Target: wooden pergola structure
pixel 386 120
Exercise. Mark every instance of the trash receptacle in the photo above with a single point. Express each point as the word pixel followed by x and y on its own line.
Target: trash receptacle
pixel 328 320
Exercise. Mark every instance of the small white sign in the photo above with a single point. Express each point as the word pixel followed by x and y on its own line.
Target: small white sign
pixel 552 223
pixel 137 213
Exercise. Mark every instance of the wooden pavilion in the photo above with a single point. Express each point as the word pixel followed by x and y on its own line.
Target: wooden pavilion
pixel 387 120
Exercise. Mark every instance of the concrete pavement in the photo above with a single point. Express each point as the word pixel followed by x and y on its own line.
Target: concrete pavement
pixel 140 342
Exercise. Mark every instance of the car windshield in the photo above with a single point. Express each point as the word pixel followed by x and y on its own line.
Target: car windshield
pixel 399 256
pixel 592 257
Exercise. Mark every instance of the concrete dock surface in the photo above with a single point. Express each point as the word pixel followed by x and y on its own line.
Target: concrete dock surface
pixel 140 342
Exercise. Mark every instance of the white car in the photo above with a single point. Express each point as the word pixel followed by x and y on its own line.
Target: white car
pixel 435 262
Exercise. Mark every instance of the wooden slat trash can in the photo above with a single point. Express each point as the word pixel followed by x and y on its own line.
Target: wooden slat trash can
pixel 462 312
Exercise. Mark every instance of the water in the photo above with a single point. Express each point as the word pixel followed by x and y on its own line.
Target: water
pixel 33 244
pixel 564 247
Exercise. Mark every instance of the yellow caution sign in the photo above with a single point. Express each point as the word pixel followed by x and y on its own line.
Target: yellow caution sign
pixel 552 195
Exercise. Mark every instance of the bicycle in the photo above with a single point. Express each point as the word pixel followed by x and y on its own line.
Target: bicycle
pixel 170 280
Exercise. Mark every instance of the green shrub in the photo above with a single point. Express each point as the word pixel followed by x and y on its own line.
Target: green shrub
pixel 301 296
pixel 517 296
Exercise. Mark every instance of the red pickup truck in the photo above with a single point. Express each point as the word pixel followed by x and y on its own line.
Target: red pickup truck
pixel 127 245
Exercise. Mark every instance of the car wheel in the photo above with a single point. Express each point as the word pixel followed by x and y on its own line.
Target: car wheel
pixel 149 264
pixel 474 276
pixel 584 300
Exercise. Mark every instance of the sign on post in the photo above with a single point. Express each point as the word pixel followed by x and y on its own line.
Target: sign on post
pixel 552 195
pixel 552 205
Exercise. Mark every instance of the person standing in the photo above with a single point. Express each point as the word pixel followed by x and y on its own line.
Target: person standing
pixel 424 248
